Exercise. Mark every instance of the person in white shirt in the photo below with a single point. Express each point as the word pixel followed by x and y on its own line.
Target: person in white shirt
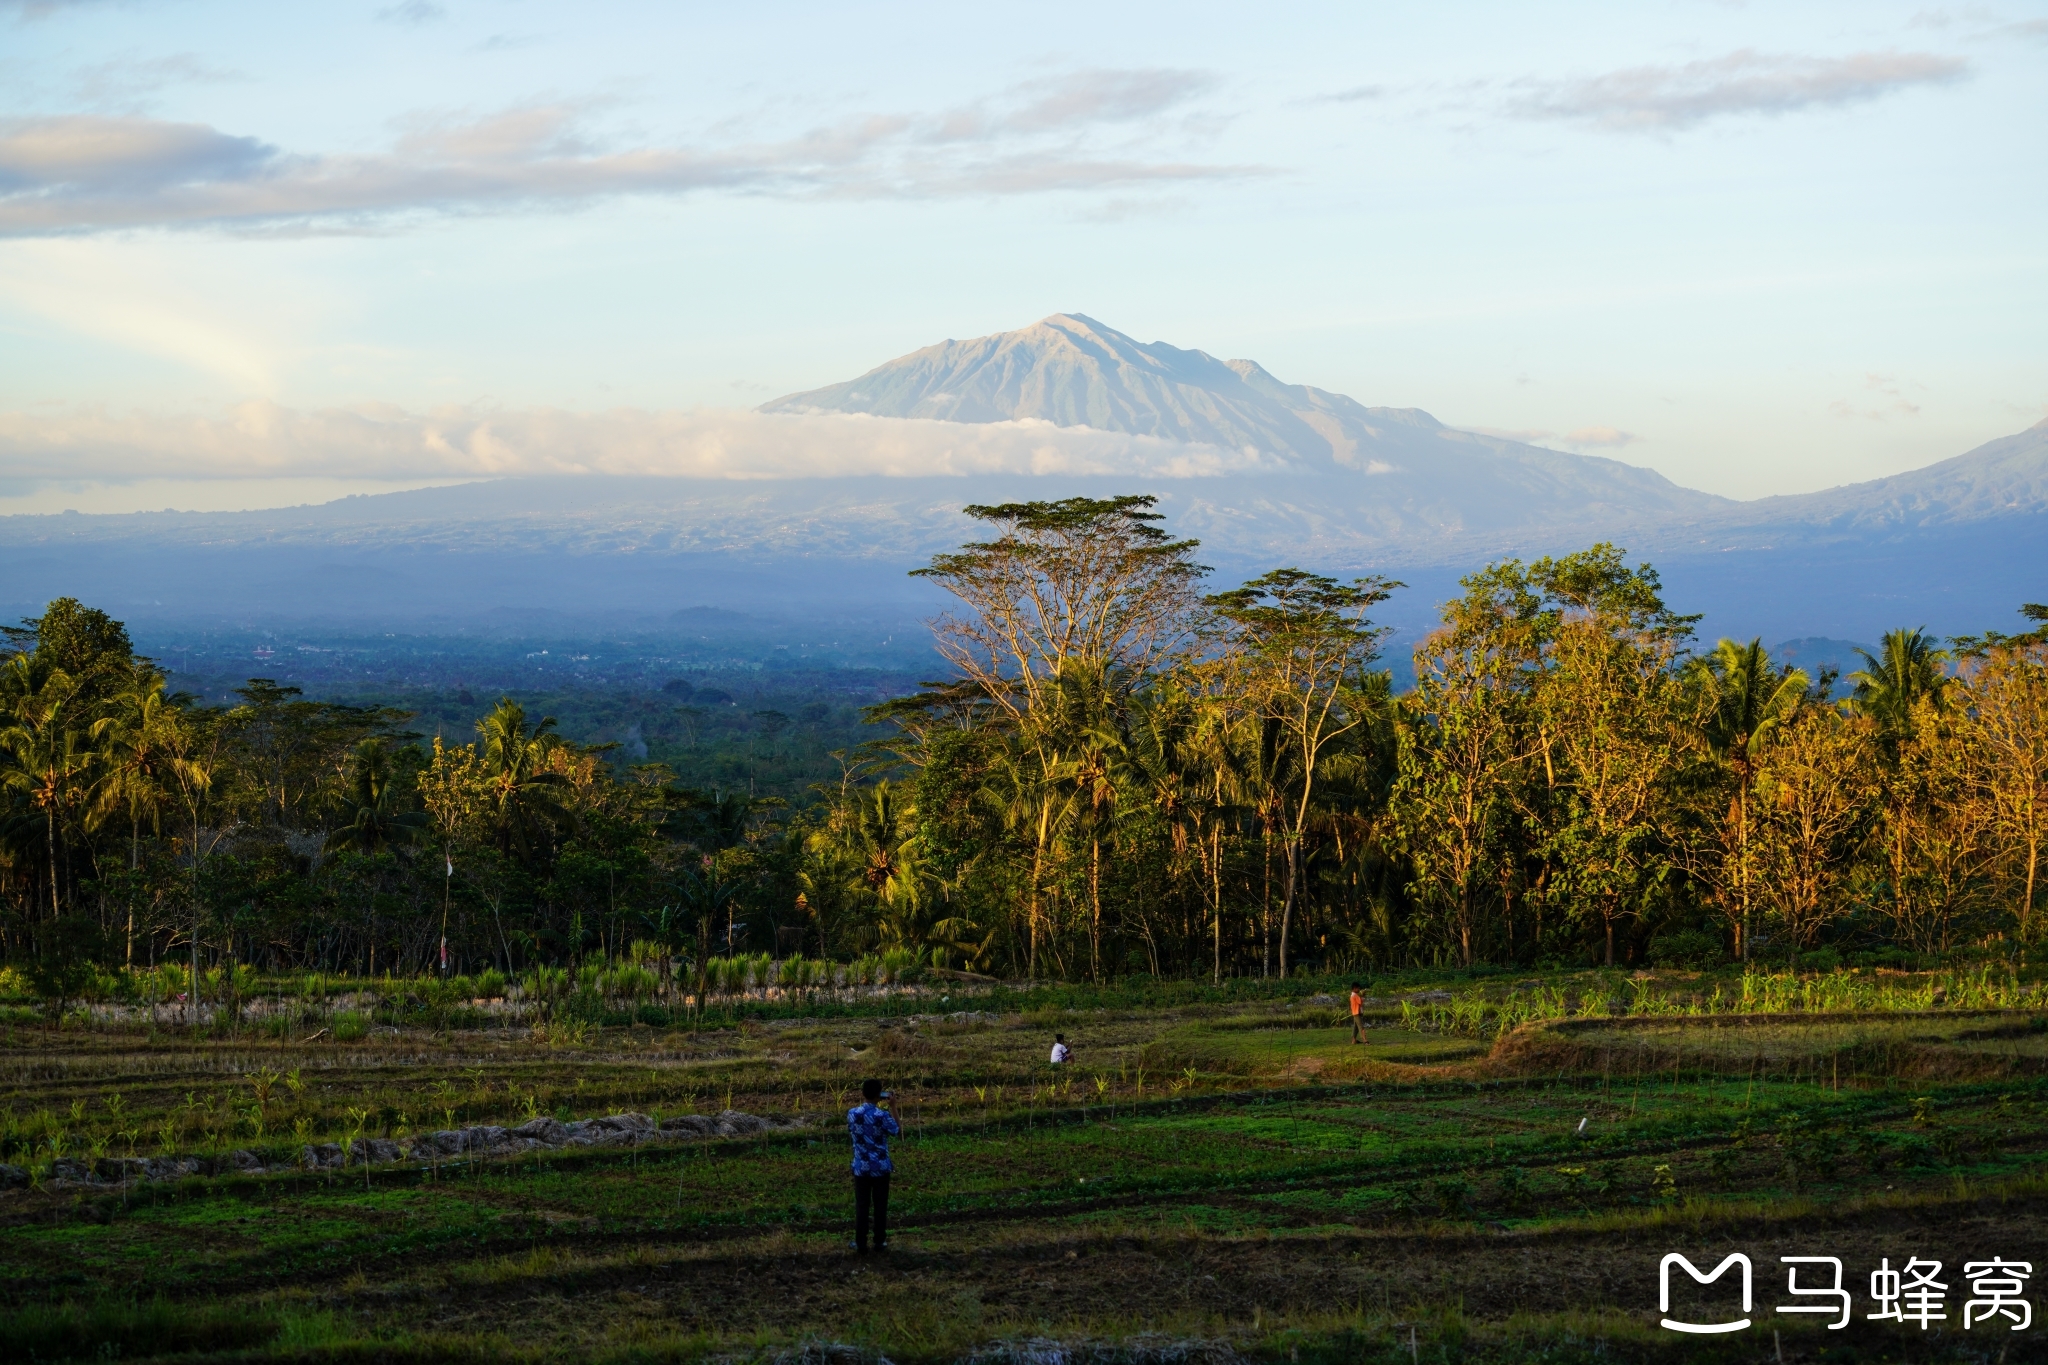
pixel 1061 1053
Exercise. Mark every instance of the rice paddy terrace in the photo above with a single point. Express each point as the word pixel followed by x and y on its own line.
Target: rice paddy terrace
pixel 1497 1174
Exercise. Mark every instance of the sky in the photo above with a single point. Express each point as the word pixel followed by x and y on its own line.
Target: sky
pixel 259 254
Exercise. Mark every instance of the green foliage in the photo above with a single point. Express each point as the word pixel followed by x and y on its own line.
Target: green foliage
pixel 1124 777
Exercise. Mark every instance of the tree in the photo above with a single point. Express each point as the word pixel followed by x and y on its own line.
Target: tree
pixel 1466 738
pixel 375 810
pixel 139 774
pixel 85 643
pixel 521 792
pixel 1295 648
pixel 1082 580
pixel 1814 788
pixel 1087 584
pixel 197 763
pixel 2008 699
pixel 1892 683
pixel 1751 699
pixel 1937 849
pixel 1615 724
pixel 45 754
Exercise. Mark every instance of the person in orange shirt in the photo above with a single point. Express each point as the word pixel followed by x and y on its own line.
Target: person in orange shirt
pixel 1357 1014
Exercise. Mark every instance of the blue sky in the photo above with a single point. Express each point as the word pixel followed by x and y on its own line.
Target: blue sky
pixel 1759 248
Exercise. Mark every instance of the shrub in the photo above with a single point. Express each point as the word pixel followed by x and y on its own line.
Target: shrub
pixel 1690 949
pixel 351 1026
pixel 1820 960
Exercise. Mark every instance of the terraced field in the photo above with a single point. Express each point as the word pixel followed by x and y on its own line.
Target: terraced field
pixel 1200 1184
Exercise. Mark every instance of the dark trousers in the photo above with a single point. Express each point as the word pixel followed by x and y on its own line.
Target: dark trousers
pixel 1357 1028
pixel 870 1196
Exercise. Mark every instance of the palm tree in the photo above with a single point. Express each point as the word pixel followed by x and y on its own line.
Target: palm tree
pixel 707 892
pixel 1154 759
pixel 884 839
pixel 196 762
pixel 1892 682
pixel 377 817
pixel 140 754
pixel 46 756
pixel 519 785
pixel 1751 700
pixel 1083 708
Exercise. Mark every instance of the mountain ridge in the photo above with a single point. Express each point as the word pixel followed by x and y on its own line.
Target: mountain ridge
pixel 1348 488
pixel 1416 478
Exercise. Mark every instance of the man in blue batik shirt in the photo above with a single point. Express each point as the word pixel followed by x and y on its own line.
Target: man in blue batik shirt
pixel 871 1127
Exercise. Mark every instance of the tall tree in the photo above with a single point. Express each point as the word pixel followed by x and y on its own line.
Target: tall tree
pixel 1082 583
pixel 1296 647
pixel 1751 699
pixel 138 779
pixel 375 811
pixel 1615 726
pixel 521 791
pixel 48 751
pixel 2008 700
pixel 1814 787
pixel 1466 741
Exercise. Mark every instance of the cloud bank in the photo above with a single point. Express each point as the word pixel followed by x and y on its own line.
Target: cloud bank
pixel 1664 98
pixel 84 172
pixel 260 439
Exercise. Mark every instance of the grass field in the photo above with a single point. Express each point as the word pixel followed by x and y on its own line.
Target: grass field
pixel 1210 1180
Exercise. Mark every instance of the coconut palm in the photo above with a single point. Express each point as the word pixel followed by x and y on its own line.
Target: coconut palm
pixel 141 746
pixel 45 755
pixel 1084 709
pixel 1751 700
pixel 375 805
pixel 522 790
pixel 1907 667
pixel 909 897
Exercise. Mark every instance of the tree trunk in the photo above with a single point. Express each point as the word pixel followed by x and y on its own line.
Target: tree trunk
pixel 1095 909
pixel 1287 904
pixel 1216 883
pixel 1742 864
pixel 50 816
pixel 1465 927
pixel 2027 905
pixel 192 998
pixel 1266 907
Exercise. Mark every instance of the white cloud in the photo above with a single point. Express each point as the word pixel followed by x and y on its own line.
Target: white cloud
pixel 261 439
pixel 84 173
pixel 1661 98
pixel 1581 438
pixel 1606 438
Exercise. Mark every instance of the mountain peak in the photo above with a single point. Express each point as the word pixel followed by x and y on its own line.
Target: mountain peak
pixel 1072 370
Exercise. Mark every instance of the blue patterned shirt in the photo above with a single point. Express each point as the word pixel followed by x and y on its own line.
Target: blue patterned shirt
pixel 871 1128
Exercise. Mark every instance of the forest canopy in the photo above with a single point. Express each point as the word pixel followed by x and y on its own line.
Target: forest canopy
pixel 1124 771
